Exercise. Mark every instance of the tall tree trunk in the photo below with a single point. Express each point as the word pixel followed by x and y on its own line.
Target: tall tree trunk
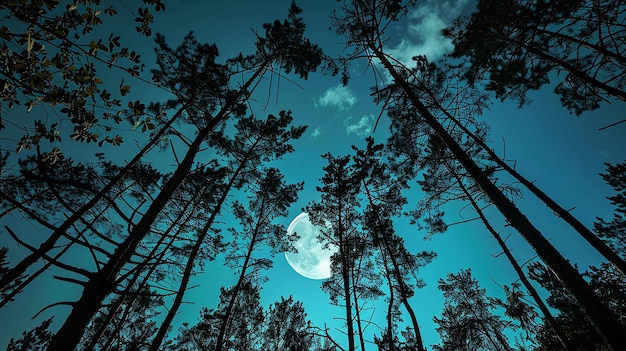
pixel 345 274
pixel 556 327
pixel 389 305
pixel 357 309
pixel 178 300
pixel 117 303
pixel 587 234
pixel 601 317
pixel 233 298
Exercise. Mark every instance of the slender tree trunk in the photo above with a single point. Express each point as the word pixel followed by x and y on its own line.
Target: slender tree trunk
pixel 229 310
pixel 587 234
pixel 178 300
pixel 601 317
pixel 389 305
pixel 50 243
pixel 350 327
pixel 357 310
pixel 345 274
pixel 520 273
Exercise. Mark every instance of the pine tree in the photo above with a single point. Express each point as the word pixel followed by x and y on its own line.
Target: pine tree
pixel 519 46
pixel 607 283
pixel 351 265
pixel 468 321
pixel 272 198
pixel 383 196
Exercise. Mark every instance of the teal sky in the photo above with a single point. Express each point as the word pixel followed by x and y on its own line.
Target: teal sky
pixel 561 152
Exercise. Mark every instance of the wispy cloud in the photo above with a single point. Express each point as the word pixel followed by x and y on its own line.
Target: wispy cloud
pixel 424 32
pixel 316 133
pixel 340 96
pixel 360 128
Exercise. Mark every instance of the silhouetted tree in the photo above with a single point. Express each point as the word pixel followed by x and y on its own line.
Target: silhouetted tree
pixel 468 321
pixel 338 216
pixel 243 331
pixel 204 244
pixel 515 308
pixel 439 85
pixel 608 284
pixel 287 327
pixel 519 46
pixel 384 200
pixel 272 199
pixel 160 259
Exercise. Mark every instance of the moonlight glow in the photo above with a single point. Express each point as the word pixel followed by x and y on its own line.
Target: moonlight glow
pixel 312 260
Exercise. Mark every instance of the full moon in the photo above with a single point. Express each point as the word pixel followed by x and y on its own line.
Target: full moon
pixel 312 260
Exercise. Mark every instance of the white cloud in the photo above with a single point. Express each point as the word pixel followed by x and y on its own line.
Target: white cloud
pixel 424 32
pixel 316 133
pixel 360 128
pixel 340 96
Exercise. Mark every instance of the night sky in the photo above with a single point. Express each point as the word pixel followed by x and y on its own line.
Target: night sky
pixel 561 152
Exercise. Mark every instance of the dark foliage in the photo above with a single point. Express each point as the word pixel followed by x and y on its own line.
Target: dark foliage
pixel 614 231
pixel 519 46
